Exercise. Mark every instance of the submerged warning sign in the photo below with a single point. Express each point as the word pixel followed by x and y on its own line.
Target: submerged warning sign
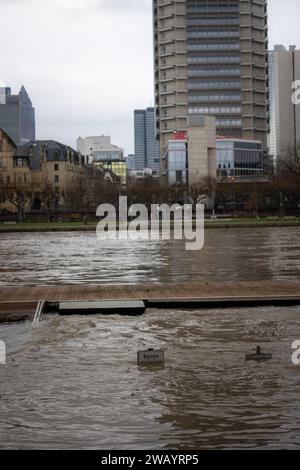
pixel 151 356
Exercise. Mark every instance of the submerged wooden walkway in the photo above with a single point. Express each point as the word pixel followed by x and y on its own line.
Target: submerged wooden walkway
pixel 19 302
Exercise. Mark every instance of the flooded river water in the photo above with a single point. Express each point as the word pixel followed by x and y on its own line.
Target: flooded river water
pixel 74 383
pixel 232 255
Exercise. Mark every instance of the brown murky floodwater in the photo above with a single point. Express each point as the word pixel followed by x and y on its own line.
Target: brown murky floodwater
pixel 234 255
pixel 74 383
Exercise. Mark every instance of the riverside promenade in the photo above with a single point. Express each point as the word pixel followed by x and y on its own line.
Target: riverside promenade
pixel 91 226
pixel 18 303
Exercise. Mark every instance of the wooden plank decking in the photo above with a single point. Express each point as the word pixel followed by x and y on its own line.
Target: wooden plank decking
pixel 148 291
pixel 20 301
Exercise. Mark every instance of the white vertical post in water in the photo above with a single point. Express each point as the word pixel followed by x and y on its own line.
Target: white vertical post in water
pixel 38 312
pixel 2 353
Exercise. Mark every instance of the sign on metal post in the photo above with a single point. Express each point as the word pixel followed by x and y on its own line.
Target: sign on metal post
pixel 151 357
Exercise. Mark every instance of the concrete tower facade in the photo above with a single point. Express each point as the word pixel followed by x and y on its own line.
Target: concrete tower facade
pixel 211 59
pixel 284 68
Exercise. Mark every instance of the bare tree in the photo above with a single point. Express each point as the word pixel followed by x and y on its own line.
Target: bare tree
pixel 18 195
pixel 78 194
pixel 204 189
pixel 289 162
pixel 49 198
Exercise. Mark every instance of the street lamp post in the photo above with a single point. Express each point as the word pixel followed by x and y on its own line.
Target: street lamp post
pixel 282 201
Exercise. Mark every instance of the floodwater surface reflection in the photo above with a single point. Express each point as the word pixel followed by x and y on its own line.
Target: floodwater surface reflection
pixel 79 258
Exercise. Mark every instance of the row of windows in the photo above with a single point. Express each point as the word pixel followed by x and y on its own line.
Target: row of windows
pixel 72 168
pixel 177 146
pixel 212 60
pixel 213 34
pixel 225 145
pixel 213 47
pixel 202 98
pixel 240 156
pixel 247 145
pixel 212 6
pixel 21 162
pixel 230 144
pixel 210 21
pixel 63 156
pixel 213 84
pixel 249 165
pixel 17 179
pixel 177 157
pixel 222 122
pixel 229 122
pixel 213 72
pixel 217 110
pixel 249 155
pixel 237 173
pixel 111 156
pixel 243 165
pixel 118 168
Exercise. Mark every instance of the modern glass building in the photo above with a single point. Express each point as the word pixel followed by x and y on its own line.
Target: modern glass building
pixel 130 159
pixel 211 59
pixel 99 151
pixel 108 154
pixel 239 158
pixel 177 162
pixel 147 152
pixel 118 167
pixel 236 159
pixel 17 116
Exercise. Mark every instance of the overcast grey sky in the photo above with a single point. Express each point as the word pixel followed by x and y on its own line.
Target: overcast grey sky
pixel 87 64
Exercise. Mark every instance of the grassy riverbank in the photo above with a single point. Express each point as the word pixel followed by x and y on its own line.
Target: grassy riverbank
pixel 91 226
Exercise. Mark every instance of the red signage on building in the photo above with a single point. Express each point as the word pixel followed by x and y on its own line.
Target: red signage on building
pixel 179 136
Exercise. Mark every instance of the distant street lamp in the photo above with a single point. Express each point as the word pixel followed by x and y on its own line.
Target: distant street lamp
pixel 282 206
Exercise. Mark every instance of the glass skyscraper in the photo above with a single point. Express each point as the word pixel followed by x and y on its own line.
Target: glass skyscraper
pixel 17 116
pixel 147 153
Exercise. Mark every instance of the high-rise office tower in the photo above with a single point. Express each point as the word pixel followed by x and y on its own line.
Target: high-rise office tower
pixel 147 153
pixel 211 58
pixel 17 116
pixel 284 70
